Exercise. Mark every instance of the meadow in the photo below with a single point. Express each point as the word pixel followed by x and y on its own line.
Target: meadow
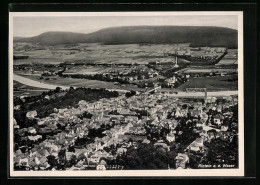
pixel 217 83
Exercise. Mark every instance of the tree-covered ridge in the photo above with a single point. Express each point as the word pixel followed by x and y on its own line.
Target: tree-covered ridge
pixel 196 35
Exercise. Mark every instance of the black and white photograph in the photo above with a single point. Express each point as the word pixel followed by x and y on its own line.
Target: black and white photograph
pixel 126 93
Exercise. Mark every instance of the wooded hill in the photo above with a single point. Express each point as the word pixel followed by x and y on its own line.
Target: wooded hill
pixel 198 36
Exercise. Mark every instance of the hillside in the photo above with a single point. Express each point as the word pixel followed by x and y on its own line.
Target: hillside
pixel 196 35
pixel 17 38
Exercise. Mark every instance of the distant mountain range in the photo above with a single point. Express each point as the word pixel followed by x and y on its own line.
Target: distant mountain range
pixel 196 35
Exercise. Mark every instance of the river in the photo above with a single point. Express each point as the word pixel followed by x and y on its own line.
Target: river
pixel 38 84
pixel 34 83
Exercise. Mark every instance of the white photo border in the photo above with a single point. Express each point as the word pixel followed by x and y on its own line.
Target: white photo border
pixel 134 173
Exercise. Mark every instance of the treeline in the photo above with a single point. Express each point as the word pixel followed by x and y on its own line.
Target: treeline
pixel 195 35
pixel 100 77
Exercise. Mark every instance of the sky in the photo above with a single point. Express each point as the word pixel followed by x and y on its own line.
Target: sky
pixel 28 26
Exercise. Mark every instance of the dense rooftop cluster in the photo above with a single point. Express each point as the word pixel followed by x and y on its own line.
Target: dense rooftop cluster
pixel 141 131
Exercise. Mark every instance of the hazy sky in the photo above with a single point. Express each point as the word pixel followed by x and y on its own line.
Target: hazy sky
pixel 26 26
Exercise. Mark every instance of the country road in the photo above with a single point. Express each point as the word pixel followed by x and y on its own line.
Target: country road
pixel 34 83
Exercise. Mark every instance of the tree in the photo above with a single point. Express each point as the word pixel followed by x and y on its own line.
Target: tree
pixel 129 94
pixel 52 161
pixel 171 158
pixel 57 90
pixel 73 160
pixel 133 160
pixel 86 115
pixel 193 161
pixel 71 89
pixel 62 154
pixel 81 157
pixel 71 148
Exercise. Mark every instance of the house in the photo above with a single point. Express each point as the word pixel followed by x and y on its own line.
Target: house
pixel 14 121
pixel 146 141
pixel 203 133
pixel 181 160
pixel 218 119
pixel 121 150
pixel 199 142
pixel 32 130
pixel 68 155
pixel 31 114
pixel 199 123
pixel 170 137
pixel 224 128
pixel 34 138
pixel 80 151
pixel 80 164
pixel 178 113
pixel 123 111
pixel 101 167
pixel 194 147
pixel 40 122
pixel 164 145
pixel 24 162
pixel 211 135
pixel 195 113
pixel 94 159
pixel 131 118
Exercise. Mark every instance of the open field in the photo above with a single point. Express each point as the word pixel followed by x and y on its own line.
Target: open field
pixel 106 54
pixel 230 58
pixel 211 83
pixel 85 70
pixel 227 62
pixel 38 61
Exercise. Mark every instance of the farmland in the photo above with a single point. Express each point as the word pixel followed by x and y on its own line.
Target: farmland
pixel 86 53
pixel 211 83
pixel 125 66
pixel 230 58
pixel 89 53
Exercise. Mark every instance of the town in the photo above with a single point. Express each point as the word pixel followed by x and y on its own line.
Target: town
pixel 90 106
pixel 89 129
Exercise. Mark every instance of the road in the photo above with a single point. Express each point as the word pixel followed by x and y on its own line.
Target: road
pixel 34 83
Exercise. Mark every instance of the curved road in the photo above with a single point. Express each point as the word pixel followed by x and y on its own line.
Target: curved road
pixel 34 83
